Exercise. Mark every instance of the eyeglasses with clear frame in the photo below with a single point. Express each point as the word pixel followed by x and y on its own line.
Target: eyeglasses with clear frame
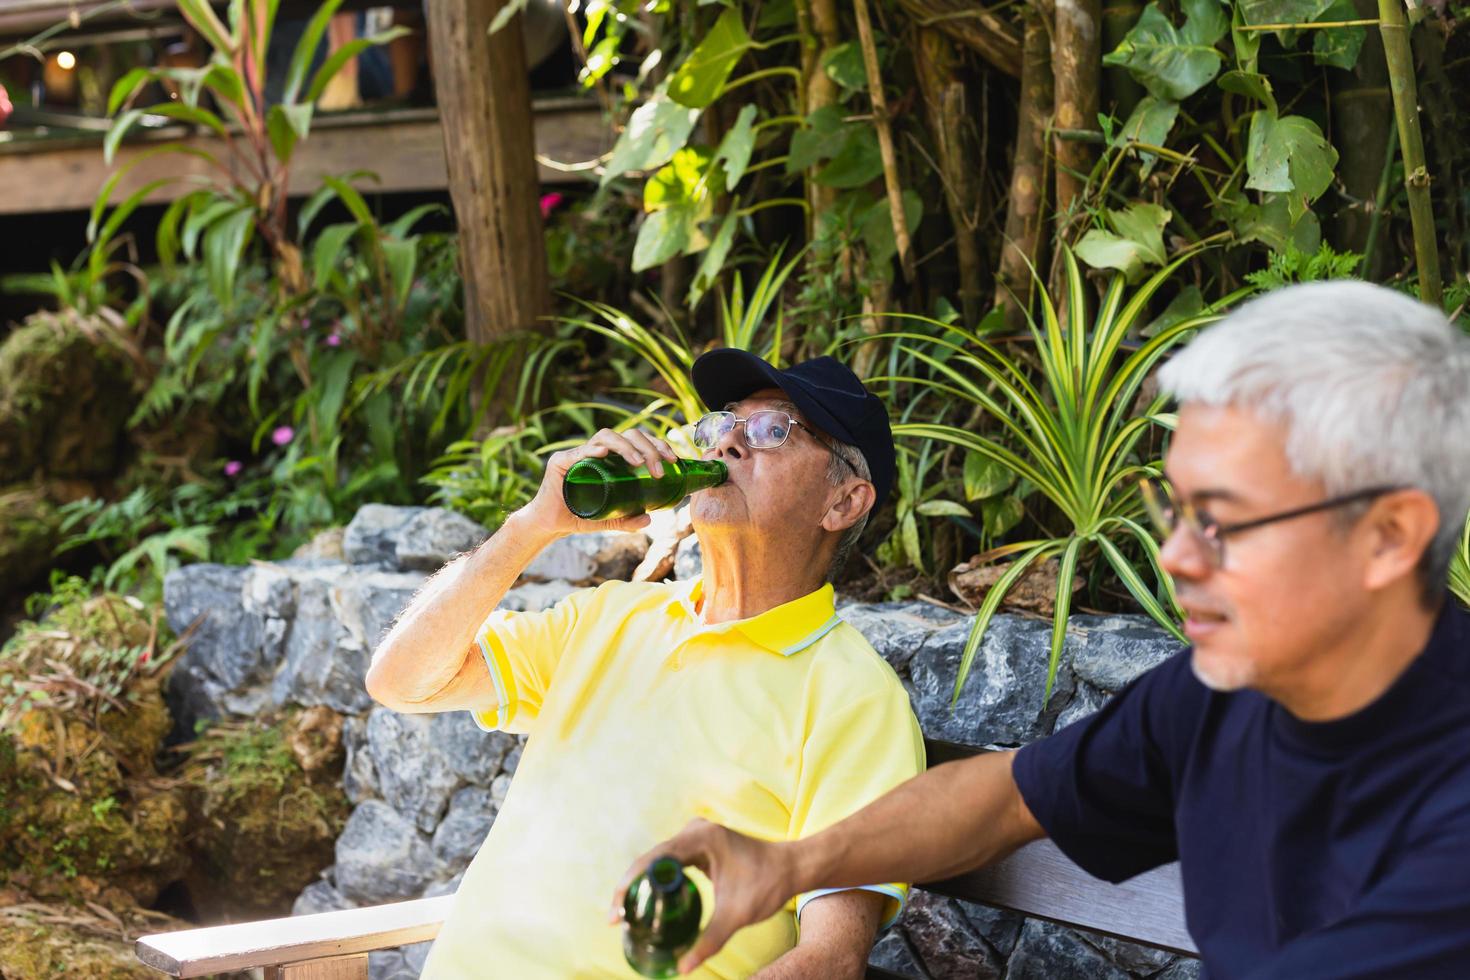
pixel 764 429
pixel 1167 513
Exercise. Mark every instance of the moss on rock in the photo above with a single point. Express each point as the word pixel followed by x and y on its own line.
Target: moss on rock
pixel 31 535
pixel 268 806
pixel 65 395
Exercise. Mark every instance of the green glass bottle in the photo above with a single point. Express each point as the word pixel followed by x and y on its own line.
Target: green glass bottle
pixel 660 918
pixel 603 488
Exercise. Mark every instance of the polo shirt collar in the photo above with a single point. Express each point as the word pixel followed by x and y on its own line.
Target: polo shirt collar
pixel 786 629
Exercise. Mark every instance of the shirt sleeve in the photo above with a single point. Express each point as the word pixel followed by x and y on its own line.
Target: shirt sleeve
pixel 854 754
pixel 1415 922
pixel 521 651
pixel 1103 788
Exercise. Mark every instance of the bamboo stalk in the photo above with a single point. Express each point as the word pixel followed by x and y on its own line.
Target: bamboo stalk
pixel 885 141
pixel 1026 205
pixel 960 171
pixel 1394 27
pixel 1314 26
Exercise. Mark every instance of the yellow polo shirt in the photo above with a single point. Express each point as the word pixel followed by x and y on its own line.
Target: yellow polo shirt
pixel 641 718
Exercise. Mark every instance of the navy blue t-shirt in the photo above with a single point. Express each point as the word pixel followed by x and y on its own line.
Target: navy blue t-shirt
pixel 1334 850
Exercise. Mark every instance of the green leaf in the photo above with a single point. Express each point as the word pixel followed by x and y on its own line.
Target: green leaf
pixel 1173 63
pixel 351 198
pixel 224 246
pixel 1136 241
pixel 204 214
pixel 306 50
pixel 655 132
pixel 985 477
pixel 1000 514
pixel 857 163
pixel 820 139
pixel 1284 12
pixel 876 226
pixel 203 19
pixel 663 235
pixel 844 65
pixel 713 262
pixel 1272 223
pixel 1190 302
pixel 286 124
pixel 346 53
pixel 908 535
pixel 1339 47
pixel 328 248
pixel 736 147
pixel 683 180
pixel 1251 85
pixel 701 78
pixel 1149 123
pixel 942 508
pixel 401 256
pixel 503 16
pixel 124 88
pixel 1289 154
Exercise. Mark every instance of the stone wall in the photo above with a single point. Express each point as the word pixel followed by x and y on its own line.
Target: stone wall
pixel 426 788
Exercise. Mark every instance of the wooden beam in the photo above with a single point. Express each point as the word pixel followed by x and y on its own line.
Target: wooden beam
pixel 296 940
pixel 404 147
pixel 485 99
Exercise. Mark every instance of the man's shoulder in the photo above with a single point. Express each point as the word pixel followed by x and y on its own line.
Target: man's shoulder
pixel 844 660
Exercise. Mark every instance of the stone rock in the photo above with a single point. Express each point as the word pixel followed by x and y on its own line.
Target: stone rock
pixel 416 956
pixel 1129 956
pixel 444 887
pixel 268 591
pixel 666 528
pixel 359 774
pixel 944 942
pixel 473 755
pixel 372 535
pixel 1117 649
pixel 1183 969
pixel 381 856
pixel 414 776
pixel 1085 700
pixel 897 629
pixel 1001 701
pixel 463 829
pixel 688 559
pixel 998 927
pixel 324 663
pixel 320 896
pixel 1049 952
pixel 325 544
pixel 366 604
pixel 535 596
pixel 586 559
pixel 32 532
pixel 229 643
pixel 499 788
pixel 891 952
pixel 389 964
pixel 432 537
pixel 513 757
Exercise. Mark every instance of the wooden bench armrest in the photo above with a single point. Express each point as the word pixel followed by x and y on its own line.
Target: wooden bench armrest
pixel 273 942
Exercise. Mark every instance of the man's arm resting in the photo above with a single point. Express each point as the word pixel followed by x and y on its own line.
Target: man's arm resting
pixel 837 933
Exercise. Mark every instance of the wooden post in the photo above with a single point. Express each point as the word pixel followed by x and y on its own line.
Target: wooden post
pixel 485 107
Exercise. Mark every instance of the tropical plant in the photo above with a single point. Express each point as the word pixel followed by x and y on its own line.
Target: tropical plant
pixel 1074 433
pixel 1460 567
pixel 249 181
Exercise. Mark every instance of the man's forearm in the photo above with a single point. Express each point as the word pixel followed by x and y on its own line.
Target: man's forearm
pixel 951 819
pixel 427 646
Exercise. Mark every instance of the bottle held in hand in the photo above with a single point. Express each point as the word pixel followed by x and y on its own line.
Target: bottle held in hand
pixel 604 488
pixel 660 918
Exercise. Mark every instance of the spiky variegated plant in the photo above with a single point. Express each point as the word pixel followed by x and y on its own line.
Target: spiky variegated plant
pixel 1460 567
pixel 1071 428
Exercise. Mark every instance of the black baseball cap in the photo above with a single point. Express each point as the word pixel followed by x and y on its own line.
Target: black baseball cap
pixel 827 392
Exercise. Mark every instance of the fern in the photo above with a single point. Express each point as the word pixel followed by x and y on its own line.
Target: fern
pixel 1294 265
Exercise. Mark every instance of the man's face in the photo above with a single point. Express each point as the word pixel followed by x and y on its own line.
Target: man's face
pixel 776 491
pixel 1286 593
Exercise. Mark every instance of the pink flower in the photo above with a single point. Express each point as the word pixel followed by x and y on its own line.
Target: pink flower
pixel 233 467
pixel 334 340
pixel 283 435
pixel 549 203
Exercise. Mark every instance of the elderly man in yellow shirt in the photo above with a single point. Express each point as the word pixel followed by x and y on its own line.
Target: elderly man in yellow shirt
pixel 739 696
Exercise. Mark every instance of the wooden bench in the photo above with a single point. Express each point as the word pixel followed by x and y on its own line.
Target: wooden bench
pixel 1038 881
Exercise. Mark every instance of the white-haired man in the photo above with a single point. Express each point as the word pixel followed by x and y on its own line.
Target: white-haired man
pixel 1308 759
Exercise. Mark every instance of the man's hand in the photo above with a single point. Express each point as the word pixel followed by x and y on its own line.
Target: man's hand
pixel 751 878
pixel 548 511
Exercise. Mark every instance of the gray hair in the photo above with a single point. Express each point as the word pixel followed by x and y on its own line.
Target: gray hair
pixel 837 472
pixel 1372 386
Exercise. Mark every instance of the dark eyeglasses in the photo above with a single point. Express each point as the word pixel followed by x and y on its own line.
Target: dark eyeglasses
pixel 765 429
pixel 1168 513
